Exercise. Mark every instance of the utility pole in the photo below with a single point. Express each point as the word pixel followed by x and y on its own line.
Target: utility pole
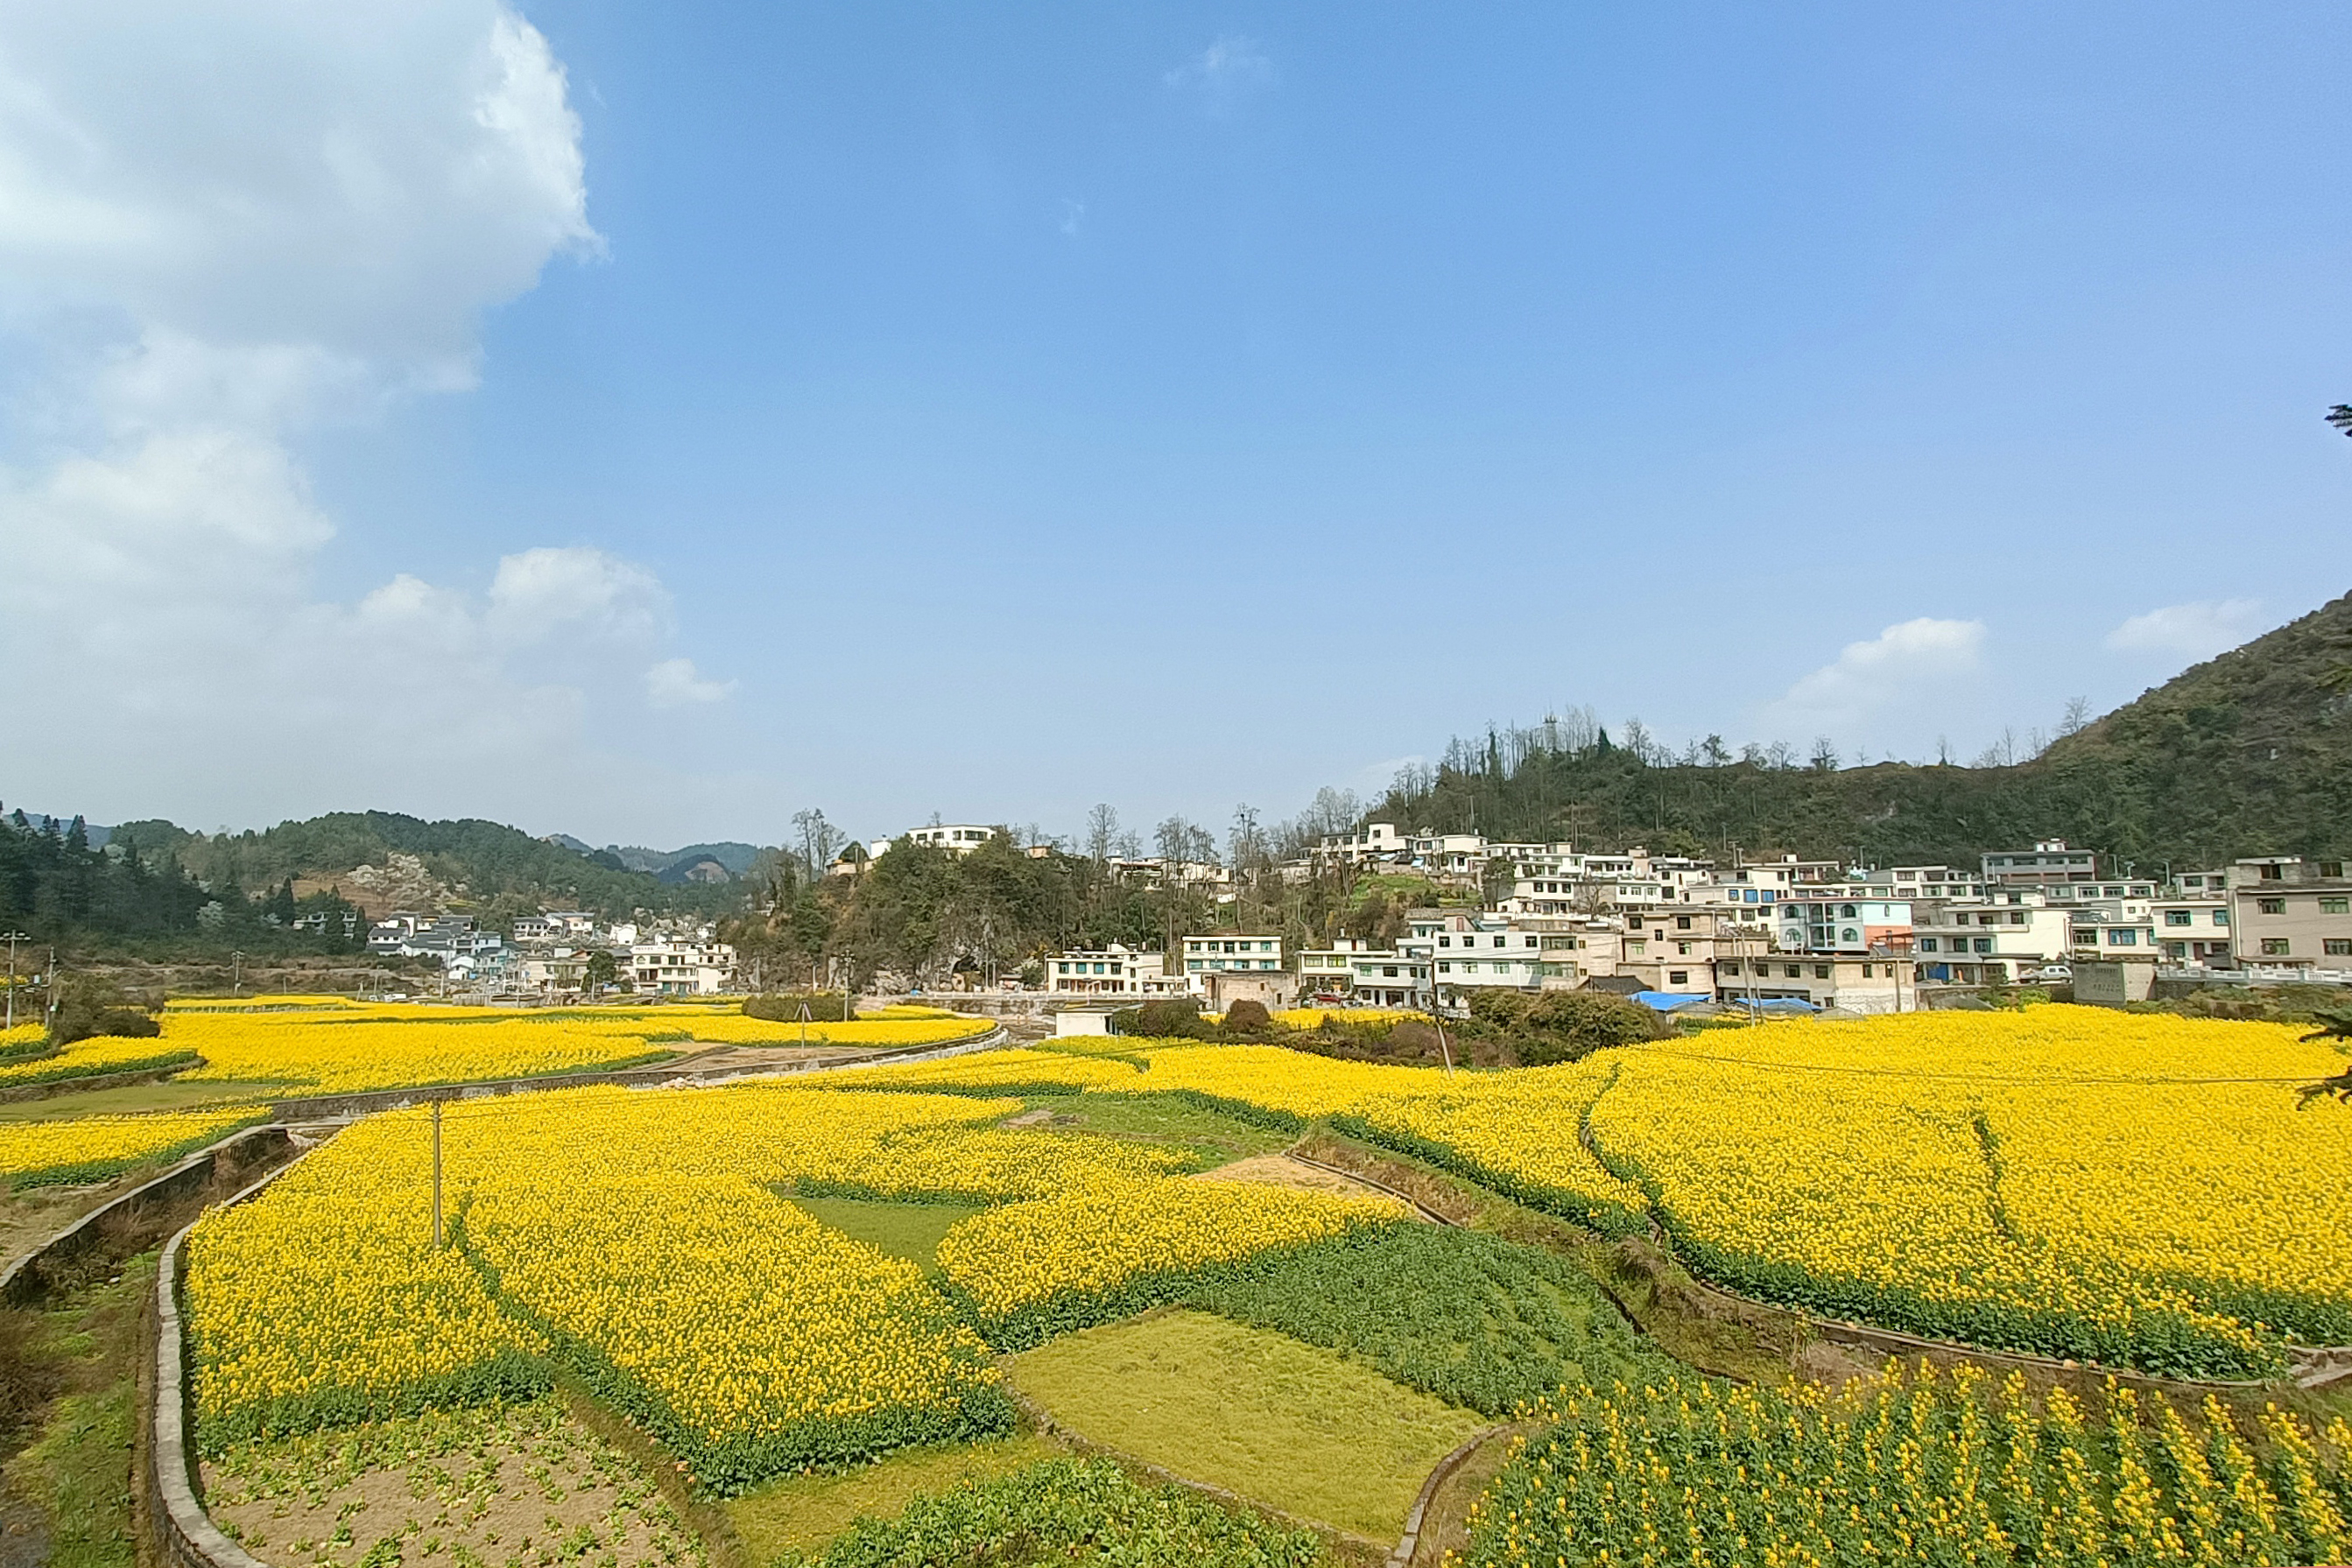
pixel 236 986
pixel 437 1175
pixel 13 937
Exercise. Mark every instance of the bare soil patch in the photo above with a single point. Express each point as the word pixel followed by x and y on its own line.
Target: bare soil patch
pixel 524 1488
pixel 1281 1170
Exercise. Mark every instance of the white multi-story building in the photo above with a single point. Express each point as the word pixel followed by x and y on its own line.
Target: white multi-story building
pixel 2192 924
pixel 1359 972
pixel 682 968
pixel 2111 927
pixel 1988 941
pixel 1115 970
pixel 1234 954
pixel 957 838
pixel 1843 923
pixel 2049 863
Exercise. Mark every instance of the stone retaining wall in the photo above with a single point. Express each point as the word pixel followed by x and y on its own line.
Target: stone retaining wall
pixel 29 1275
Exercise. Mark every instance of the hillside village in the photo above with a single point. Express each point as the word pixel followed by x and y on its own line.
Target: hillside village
pixel 1674 931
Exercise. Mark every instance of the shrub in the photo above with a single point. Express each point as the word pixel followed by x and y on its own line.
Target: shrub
pixel 1565 1026
pixel 785 1006
pixel 1175 1019
pixel 1247 1018
pixel 91 1005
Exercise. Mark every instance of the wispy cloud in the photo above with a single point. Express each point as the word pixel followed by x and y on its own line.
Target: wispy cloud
pixel 1225 73
pixel 1867 678
pixel 2196 630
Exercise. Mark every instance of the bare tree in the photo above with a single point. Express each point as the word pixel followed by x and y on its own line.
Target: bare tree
pixel 1102 834
pixel 1943 751
pixel 1782 754
pixel 2077 719
pixel 1825 754
pixel 819 839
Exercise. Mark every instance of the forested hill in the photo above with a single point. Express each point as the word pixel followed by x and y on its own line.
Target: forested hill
pixel 2250 753
pixel 493 865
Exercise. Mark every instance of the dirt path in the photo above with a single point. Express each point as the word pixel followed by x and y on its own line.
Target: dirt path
pixel 1281 1170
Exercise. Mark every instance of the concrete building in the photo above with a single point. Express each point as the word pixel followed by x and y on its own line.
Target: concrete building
pixel 1115 970
pixel 2114 928
pixel 677 968
pixel 1860 984
pixel 2048 861
pixel 1845 923
pixel 2286 912
pixel 2192 927
pixel 1988 942
pixel 1359 972
pixel 958 838
pixel 1233 953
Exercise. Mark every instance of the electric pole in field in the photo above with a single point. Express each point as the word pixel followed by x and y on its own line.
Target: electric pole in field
pixel 13 937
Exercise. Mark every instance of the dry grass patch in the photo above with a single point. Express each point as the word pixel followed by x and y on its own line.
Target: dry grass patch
pixel 1283 1423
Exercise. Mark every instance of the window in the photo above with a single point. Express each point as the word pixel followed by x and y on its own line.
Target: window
pixel 1794 973
pixel 1683 949
pixel 2018 918
pixel 2274 948
pixel 1731 967
pixel 1927 944
pixel 1445 941
pixel 1678 977
pixel 2270 874
pixel 2337 946
pixel 1682 922
pixel 1865 971
pixel 1445 968
pixel 1984 944
pixel 1388 971
pixel 2335 906
pixel 2272 906
pixel 1821 971
pixel 2220 917
pixel 2119 937
pixel 2177 917
pixel 2176 949
pixel 2331 868
pixel 1469 968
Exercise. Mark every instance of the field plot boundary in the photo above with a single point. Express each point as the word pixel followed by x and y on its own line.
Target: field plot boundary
pixel 21 1279
pixel 188 1536
pixel 677 1071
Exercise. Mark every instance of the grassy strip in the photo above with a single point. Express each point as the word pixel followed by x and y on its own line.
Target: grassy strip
pixel 730 1465
pixel 1066 1511
pixel 1031 1325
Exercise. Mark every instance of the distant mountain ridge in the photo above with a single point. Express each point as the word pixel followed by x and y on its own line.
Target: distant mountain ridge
pixel 732 857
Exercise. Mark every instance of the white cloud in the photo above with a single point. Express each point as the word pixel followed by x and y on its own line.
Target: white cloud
pixel 1073 217
pixel 2193 632
pixel 578 590
pixel 220 222
pixel 674 682
pixel 1900 663
pixel 1225 73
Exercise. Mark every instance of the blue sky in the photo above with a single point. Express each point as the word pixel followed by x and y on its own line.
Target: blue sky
pixel 1005 409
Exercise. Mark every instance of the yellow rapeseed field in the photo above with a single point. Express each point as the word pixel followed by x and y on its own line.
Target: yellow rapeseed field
pixel 2132 1188
pixel 23 1035
pixel 347 1047
pixel 92 1148
pixel 639 1235
pixel 99 1053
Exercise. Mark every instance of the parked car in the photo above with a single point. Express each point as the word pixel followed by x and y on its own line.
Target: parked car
pixel 2050 974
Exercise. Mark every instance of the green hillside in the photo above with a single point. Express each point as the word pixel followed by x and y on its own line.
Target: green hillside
pixel 2246 754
